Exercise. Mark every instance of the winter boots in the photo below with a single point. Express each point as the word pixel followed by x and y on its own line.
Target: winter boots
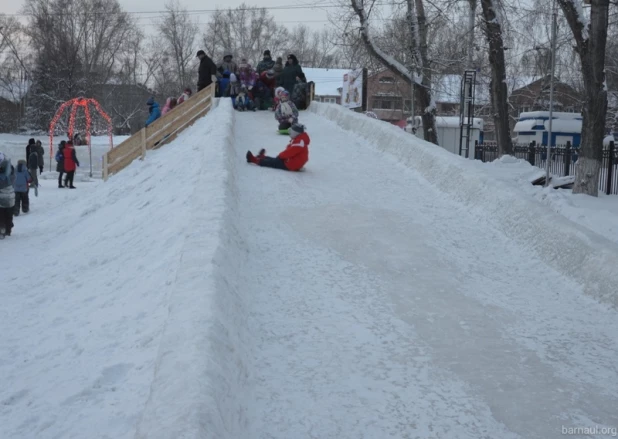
pixel 253 159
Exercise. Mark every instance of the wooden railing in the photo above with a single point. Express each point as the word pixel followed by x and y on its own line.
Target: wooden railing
pixel 161 131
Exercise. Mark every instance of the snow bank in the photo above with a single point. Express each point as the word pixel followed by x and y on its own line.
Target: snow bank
pixel 199 390
pixel 588 258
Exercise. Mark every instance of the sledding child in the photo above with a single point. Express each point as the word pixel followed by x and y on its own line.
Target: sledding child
pixel 21 183
pixel 286 112
pixel 243 101
pixel 7 196
pixel 293 158
pixel 277 97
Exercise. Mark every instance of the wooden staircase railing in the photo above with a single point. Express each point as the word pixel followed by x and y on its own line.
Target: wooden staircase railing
pixel 161 131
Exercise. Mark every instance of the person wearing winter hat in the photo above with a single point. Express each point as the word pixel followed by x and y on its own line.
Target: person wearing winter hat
pixel 292 158
pixel 227 64
pixel 267 63
pixel 153 109
pixel 185 95
pixel 286 112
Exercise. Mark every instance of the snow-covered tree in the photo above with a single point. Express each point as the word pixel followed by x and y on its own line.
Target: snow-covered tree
pixel 418 71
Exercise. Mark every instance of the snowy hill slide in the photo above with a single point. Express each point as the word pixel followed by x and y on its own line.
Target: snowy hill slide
pixel 196 296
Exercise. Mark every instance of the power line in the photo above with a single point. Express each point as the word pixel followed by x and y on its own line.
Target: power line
pixel 200 11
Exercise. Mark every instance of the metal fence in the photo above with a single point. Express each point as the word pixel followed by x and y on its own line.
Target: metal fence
pixel 562 163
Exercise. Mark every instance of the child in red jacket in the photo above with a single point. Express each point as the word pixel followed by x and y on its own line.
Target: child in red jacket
pixel 292 158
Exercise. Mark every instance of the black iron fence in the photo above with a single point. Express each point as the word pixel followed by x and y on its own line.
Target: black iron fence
pixel 562 163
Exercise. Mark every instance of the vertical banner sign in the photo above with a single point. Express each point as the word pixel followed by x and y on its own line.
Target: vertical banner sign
pixel 352 95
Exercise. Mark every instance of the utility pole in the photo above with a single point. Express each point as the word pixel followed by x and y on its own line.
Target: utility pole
pixel 551 89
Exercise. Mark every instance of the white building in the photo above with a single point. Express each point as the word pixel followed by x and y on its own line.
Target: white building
pixel 534 126
pixel 448 133
pixel 328 83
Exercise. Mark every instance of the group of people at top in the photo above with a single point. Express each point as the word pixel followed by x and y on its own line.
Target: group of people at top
pixel 17 180
pixel 250 89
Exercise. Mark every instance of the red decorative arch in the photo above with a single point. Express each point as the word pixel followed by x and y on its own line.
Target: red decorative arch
pixel 75 104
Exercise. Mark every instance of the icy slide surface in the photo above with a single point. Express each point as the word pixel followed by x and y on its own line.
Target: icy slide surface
pixel 381 309
pixel 197 296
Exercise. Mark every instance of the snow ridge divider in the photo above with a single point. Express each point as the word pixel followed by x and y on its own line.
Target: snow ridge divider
pixel 200 385
pixel 567 247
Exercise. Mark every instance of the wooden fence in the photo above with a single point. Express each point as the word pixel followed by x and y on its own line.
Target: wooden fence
pixel 161 131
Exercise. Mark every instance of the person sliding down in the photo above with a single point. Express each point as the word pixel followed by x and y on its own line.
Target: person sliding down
pixel 293 158
pixel 286 112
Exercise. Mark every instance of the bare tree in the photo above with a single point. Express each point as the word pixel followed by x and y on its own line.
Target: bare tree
pixel 244 32
pixel 418 71
pixel 314 48
pixel 590 43
pixel 178 32
pixel 493 28
pixel 76 45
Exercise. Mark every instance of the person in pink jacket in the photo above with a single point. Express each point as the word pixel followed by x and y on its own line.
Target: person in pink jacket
pixel 248 76
pixel 169 105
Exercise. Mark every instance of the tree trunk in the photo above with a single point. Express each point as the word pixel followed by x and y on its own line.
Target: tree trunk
pixel 590 45
pixel 420 73
pixel 423 93
pixel 499 94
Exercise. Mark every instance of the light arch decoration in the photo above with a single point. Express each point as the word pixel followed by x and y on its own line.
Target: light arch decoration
pixel 74 105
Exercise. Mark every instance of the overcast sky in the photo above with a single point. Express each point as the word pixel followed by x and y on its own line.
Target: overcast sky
pixel 315 17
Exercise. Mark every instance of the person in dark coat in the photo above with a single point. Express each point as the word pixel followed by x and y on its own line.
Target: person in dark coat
pixel 41 152
pixel 292 72
pixel 30 148
pixel 34 163
pixel 60 162
pixel 70 164
pixel 266 64
pixel 207 70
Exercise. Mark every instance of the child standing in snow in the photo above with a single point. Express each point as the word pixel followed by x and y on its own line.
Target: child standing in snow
pixel 21 188
pixel 60 162
pixel 7 196
pixel 293 158
pixel 286 112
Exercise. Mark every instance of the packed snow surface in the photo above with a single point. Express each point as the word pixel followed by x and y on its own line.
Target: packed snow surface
pixel 361 298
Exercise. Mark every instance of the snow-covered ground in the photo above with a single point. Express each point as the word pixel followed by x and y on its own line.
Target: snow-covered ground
pixel 600 214
pixel 390 290
pixel 87 287
pixel 15 146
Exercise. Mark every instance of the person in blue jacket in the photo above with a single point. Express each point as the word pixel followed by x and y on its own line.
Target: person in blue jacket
pixel 154 110
pixel 21 187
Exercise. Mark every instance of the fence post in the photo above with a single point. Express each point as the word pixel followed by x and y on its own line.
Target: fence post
pixel 105 165
pixel 531 152
pixel 610 168
pixel 144 143
pixel 567 159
